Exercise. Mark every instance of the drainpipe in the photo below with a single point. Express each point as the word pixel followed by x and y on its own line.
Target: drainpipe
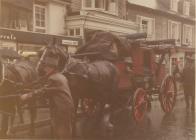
pixel 84 27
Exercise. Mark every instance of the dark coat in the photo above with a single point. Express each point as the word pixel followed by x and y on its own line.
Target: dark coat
pixel 188 79
pixel 61 105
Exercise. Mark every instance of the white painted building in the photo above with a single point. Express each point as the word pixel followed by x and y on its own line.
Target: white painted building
pixel 33 23
pixel 107 15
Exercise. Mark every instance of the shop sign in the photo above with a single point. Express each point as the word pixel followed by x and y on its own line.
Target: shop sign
pixel 69 42
pixel 8 37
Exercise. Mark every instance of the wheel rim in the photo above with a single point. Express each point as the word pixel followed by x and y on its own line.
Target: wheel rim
pixel 168 94
pixel 140 105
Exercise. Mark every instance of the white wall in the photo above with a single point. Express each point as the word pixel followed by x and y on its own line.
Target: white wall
pixel 56 20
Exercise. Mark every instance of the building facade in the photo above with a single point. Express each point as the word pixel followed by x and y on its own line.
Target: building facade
pixel 108 15
pixel 166 19
pixel 28 25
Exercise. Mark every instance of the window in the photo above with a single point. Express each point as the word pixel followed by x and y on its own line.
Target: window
pixel 15 17
pixel 174 5
pixel 74 32
pixel 101 5
pixel 39 18
pixel 186 8
pixel 71 32
pixel 77 31
pixel 187 34
pixel 87 3
pixel 146 25
pixel 174 30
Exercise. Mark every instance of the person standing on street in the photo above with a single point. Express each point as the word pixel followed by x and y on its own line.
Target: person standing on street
pixel 188 79
pixel 60 99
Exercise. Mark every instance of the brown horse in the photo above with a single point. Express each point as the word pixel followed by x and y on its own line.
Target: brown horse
pixel 13 78
pixel 96 81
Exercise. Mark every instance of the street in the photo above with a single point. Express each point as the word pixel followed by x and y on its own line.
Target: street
pixel 97 69
pixel 179 125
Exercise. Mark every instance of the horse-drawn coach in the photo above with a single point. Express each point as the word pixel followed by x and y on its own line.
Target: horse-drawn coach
pixel 144 69
pixel 111 73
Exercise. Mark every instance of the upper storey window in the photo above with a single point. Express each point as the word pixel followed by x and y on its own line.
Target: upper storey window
pixel 186 8
pixel 174 5
pixel 39 18
pixel 109 6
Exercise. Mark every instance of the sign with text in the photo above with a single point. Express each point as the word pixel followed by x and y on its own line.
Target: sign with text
pixel 69 42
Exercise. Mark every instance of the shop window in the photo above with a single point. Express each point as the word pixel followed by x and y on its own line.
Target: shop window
pixel 39 18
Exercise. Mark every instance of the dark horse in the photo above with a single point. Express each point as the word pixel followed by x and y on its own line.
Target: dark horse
pixel 13 78
pixel 96 81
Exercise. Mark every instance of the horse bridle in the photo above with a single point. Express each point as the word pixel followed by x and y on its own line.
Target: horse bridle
pixel 41 59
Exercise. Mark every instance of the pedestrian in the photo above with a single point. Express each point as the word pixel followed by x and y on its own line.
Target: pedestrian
pixel 60 99
pixel 188 79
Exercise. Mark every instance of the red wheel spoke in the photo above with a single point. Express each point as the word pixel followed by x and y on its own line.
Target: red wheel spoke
pixel 168 92
pixel 139 105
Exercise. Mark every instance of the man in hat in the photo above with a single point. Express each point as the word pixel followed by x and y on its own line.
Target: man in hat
pixel 188 79
pixel 60 99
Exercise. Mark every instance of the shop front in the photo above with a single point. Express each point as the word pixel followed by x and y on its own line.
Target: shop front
pixel 30 42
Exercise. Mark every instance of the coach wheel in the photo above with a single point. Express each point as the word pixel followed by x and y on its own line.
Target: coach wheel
pixel 167 94
pixel 140 105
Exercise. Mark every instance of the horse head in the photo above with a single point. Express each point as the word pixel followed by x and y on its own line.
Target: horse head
pixel 57 53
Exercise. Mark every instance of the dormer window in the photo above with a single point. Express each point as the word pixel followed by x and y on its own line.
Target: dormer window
pixel 186 8
pixel 174 5
pixel 109 6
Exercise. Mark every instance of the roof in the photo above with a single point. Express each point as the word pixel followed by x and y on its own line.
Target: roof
pixel 163 6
